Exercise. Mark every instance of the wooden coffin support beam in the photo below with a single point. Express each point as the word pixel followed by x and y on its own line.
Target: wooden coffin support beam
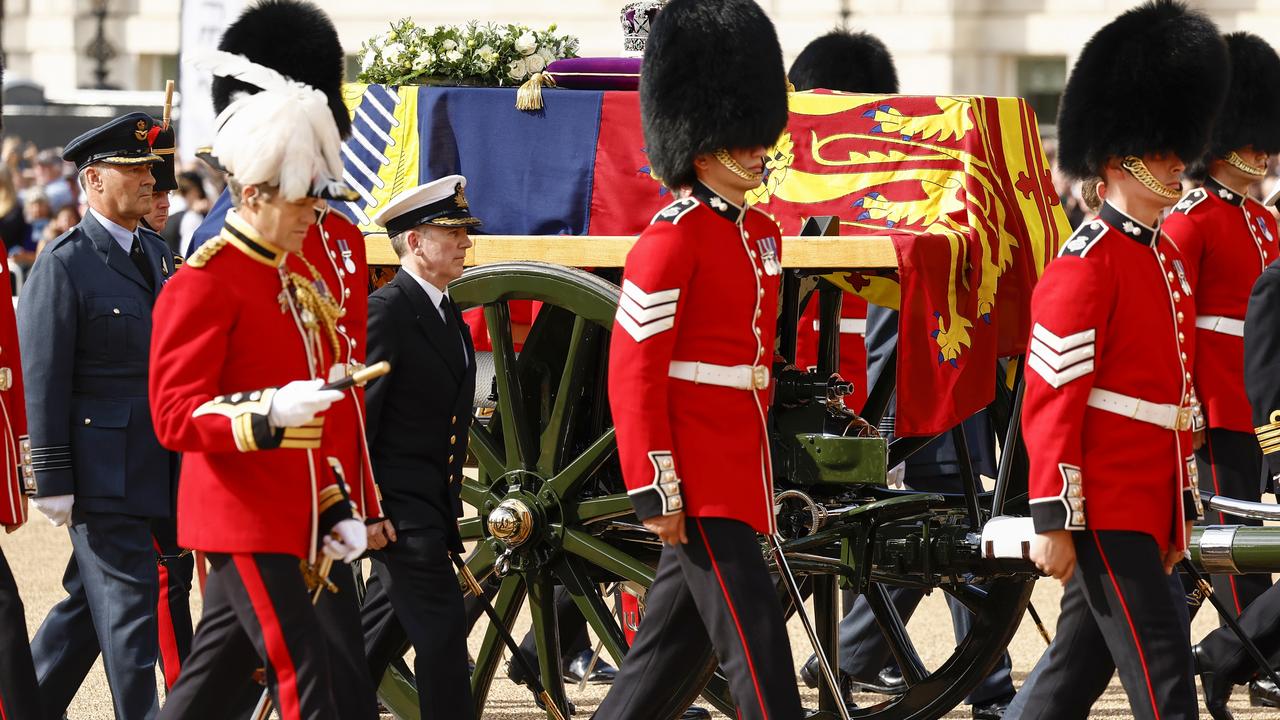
pixel 817 247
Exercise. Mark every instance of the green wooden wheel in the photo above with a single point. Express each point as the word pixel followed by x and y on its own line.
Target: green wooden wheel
pixel 550 509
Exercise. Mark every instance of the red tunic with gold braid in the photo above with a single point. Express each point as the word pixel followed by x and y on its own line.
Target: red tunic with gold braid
pixel 1108 406
pixel 689 361
pixel 15 449
pixel 229 329
pixel 335 248
pixel 1227 240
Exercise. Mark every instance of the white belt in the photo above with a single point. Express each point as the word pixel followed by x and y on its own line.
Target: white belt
pixel 739 377
pixel 1224 325
pixel 1169 417
pixel 848 326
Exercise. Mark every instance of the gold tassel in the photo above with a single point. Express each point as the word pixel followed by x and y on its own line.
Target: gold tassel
pixel 529 96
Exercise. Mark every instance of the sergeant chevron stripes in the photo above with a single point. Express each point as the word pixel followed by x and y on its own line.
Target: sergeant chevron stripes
pixel 643 314
pixel 1059 360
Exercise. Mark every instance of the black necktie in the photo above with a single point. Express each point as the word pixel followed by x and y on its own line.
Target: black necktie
pixel 451 322
pixel 139 259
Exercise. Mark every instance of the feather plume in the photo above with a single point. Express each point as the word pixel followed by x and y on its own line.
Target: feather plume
pixel 284 137
pixel 220 63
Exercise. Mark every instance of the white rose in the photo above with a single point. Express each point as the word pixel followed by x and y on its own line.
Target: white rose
pixel 535 63
pixel 547 56
pixel 393 50
pixel 449 45
pixel 424 60
pixel 518 69
pixel 370 58
pixel 526 43
pixel 453 56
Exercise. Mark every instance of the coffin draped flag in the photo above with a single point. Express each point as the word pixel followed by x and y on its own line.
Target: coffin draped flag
pixel 959 183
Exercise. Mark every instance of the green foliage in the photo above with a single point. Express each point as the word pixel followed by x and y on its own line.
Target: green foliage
pixel 480 54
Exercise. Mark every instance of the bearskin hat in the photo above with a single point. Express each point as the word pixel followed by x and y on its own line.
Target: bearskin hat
pixel 711 78
pixel 1151 81
pixel 1251 113
pixel 294 38
pixel 846 61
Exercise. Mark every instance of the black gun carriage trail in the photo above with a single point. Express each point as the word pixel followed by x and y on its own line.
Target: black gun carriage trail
pixel 550 507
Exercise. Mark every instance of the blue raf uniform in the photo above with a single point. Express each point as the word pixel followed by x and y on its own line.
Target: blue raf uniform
pixel 84 322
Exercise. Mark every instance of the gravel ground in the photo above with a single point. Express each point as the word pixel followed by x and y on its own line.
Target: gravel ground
pixel 38 554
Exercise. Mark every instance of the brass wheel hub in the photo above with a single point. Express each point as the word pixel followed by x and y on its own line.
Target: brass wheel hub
pixel 511 522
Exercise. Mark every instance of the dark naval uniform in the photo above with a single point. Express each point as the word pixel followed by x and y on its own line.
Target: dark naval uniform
pixel 256 499
pixel 85 324
pixel 1227 239
pixel 1108 430
pixel 19 695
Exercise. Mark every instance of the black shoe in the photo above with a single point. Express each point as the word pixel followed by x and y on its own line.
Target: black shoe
pixel 810 672
pixel 991 709
pixel 696 713
pixel 888 682
pixel 573 710
pixel 602 674
pixel 515 672
pixel 1217 689
pixel 1264 693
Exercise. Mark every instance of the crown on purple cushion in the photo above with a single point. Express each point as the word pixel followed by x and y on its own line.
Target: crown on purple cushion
pixel 637 18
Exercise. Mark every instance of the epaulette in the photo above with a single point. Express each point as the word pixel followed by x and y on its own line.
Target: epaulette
pixel 206 251
pixel 676 210
pixel 1085 237
pixel 1190 200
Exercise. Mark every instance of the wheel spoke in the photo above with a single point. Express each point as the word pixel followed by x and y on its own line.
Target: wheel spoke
pixel 506 602
pixel 482 445
pixel 555 435
pixel 471 529
pixel 606 556
pixel 480 563
pixel 515 436
pixel 546 634
pixel 586 595
pixel 610 506
pixel 569 481
pixel 895 634
pixel 969 596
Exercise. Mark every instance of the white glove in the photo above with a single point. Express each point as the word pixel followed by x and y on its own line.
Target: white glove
pixel 347 541
pixel 298 403
pixel 55 507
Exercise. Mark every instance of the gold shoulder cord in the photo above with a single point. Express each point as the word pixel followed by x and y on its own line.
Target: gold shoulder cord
pixel 318 307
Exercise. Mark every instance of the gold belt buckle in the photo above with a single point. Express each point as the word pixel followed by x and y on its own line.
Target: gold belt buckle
pixel 6 379
pixel 759 377
pixel 1184 418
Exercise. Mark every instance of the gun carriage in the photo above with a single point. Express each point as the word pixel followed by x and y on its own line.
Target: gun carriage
pixel 547 505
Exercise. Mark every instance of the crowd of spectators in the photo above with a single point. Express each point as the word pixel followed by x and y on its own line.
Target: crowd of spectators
pixel 40 200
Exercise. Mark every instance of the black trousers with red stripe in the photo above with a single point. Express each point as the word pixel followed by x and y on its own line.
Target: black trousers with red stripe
pixel 717 590
pixel 1119 611
pixel 1230 463
pixel 173 611
pixel 255 606
pixel 1260 622
pixel 19 695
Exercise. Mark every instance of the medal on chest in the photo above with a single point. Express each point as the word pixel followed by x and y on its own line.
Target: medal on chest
pixel 1182 277
pixel 347 262
pixel 769 255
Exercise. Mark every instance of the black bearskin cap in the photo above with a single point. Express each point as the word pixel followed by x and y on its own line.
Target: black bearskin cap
pixel 846 61
pixel 1151 81
pixel 1251 113
pixel 294 38
pixel 712 78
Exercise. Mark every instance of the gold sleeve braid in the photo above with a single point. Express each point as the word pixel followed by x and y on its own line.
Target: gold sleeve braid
pixel 1269 435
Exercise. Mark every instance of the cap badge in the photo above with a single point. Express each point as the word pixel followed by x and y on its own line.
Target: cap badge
pixel 458 198
pixel 141 132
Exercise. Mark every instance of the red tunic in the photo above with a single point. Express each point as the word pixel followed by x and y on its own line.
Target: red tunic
pixel 700 285
pixel 1113 312
pixel 853 345
pixel 335 248
pixel 224 337
pixel 15 450
pixel 1227 240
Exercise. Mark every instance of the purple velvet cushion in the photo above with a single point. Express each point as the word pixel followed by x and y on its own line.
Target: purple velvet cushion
pixel 598 73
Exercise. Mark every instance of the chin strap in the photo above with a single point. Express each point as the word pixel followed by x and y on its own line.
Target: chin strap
pixel 735 167
pixel 1234 160
pixel 1138 169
